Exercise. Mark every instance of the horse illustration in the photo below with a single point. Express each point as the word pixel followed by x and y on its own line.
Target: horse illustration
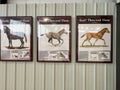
pixel 12 36
pixel 98 35
pixel 53 35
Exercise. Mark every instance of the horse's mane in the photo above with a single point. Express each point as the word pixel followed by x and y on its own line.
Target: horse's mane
pixel 102 30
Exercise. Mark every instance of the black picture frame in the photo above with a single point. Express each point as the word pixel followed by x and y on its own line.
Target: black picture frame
pixel 3 1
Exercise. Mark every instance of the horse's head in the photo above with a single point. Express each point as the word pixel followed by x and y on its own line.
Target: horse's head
pixel 106 30
pixel 6 29
pixel 64 31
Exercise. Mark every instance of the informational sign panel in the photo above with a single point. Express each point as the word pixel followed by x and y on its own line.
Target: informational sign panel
pixel 54 38
pixel 94 38
pixel 16 38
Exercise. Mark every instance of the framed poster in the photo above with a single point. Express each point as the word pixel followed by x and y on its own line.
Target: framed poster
pixel 54 38
pixel 94 38
pixel 16 38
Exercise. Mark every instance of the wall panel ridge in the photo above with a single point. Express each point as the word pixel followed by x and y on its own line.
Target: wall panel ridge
pixel 58 76
pixel 59 1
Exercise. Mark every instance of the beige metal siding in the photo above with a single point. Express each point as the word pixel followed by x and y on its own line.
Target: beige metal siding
pixel 58 76
pixel 58 1
pixel 117 1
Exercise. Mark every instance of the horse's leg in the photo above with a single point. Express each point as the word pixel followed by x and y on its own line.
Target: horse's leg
pixel 10 43
pixel 95 42
pixel 49 40
pixel 22 43
pixel 84 41
pixel 104 41
pixel 90 42
pixel 58 41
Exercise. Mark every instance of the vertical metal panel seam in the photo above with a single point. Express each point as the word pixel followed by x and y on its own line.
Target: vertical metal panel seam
pixel 54 76
pixel 95 8
pixel 105 64
pixel 6 61
pixel 33 46
pixel 114 46
pixel 115 8
pixel 64 76
pixel 54 63
pixel 34 29
pixel 25 78
pixel 15 62
pixel 74 5
pixel 65 63
pixel 114 50
pixel 45 63
pixel 6 77
pixel 85 7
pixel 106 6
pixel 75 51
pixel 76 47
pixel 36 49
pixel 25 62
pixel 15 74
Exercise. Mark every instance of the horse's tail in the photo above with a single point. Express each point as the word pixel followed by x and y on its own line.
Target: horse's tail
pixel 25 38
pixel 83 35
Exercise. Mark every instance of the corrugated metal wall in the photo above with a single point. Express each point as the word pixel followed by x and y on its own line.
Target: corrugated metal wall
pixel 57 1
pixel 58 76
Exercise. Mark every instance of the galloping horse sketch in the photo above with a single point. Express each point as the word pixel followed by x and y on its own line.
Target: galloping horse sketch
pixel 12 36
pixel 52 35
pixel 97 36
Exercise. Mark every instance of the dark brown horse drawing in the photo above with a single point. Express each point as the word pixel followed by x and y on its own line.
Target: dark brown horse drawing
pixel 11 36
pixel 98 35
pixel 57 36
